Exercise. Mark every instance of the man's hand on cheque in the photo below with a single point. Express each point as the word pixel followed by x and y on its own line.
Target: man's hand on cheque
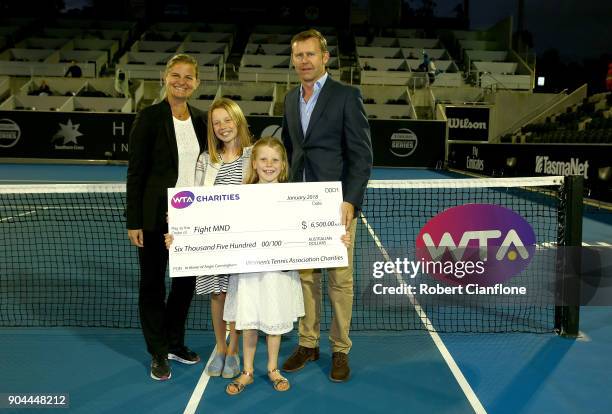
pixel 346 239
pixel 347 213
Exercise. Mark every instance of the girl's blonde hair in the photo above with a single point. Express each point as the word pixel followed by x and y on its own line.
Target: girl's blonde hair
pixel 274 143
pixel 180 58
pixel 244 135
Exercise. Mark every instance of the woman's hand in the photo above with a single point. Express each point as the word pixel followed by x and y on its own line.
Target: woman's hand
pixel 135 237
pixel 168 239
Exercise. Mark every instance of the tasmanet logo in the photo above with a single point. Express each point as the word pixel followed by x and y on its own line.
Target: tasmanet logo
pixel 487 243
pixel 182 199
pixel 544 165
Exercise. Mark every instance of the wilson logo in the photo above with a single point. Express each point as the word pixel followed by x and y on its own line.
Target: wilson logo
pixel 465 124
pixel 494 239
pixel 182 199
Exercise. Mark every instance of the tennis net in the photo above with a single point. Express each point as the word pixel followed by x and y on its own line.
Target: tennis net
pixel 65 259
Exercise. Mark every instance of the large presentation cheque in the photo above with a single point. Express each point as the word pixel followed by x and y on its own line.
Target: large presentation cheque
pixel 254 228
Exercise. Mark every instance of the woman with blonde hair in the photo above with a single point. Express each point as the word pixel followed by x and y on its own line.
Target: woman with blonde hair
pixel 165 142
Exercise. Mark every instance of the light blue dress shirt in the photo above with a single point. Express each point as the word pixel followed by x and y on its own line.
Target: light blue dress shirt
pixel 306 108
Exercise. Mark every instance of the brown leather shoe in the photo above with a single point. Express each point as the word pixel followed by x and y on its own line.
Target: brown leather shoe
pixel 300 356
pixel 340 370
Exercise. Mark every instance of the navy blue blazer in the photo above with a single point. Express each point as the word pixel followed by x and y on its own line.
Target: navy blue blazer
pixel 337 145
pixel 153 164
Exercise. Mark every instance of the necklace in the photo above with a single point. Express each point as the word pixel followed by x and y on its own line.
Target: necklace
pixel 183 116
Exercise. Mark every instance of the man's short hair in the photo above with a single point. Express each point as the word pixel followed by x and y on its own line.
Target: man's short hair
pixel 311 34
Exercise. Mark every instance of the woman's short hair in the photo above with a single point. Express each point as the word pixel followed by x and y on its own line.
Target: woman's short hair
pixel 182 58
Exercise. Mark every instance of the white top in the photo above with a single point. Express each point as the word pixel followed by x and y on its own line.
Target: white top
pixel 188 152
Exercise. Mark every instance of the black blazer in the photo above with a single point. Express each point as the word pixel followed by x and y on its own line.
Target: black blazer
pixel 337 144
pixel 153 164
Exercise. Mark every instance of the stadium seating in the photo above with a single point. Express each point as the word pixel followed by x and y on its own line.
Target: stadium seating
pixel 387 66
pixel 589 122
pixel 57 86
pixel 35 103
pixel 211 37
pixel 39 62
pixel 5 87
pixel 254 99
pixel 207 48
pixel 386 102
pixel 267 49
pixel 155 46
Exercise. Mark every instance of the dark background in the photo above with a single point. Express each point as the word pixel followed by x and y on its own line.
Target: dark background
pixel 571 38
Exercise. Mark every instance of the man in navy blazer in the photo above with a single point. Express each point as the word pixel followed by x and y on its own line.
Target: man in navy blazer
pixel 326 132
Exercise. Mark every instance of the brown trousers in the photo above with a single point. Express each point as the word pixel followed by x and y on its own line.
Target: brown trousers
pixel 340 291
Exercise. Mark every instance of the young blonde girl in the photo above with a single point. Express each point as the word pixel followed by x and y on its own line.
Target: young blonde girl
pixel 225 162
pixel 267 301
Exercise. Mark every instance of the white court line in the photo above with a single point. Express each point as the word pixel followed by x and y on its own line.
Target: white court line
pixel 20 215
pixel 595 244
pixel 200 387
pixel 550 245
pixel 450 361
pixel 82 208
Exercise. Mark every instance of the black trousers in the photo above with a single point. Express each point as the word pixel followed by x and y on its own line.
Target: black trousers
pixel 162 321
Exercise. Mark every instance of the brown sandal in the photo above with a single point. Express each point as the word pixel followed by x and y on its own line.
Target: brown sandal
pixel 238 386
pixel 276 383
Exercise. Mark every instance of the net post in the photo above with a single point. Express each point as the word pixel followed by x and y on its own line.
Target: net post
pixel 567 314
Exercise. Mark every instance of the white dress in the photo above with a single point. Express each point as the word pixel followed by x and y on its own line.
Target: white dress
pixel 268 301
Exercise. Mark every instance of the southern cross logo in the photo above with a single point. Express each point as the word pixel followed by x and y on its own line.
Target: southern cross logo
pixel 68 132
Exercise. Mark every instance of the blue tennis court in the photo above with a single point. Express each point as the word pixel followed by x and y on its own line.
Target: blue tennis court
pixel 106 369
